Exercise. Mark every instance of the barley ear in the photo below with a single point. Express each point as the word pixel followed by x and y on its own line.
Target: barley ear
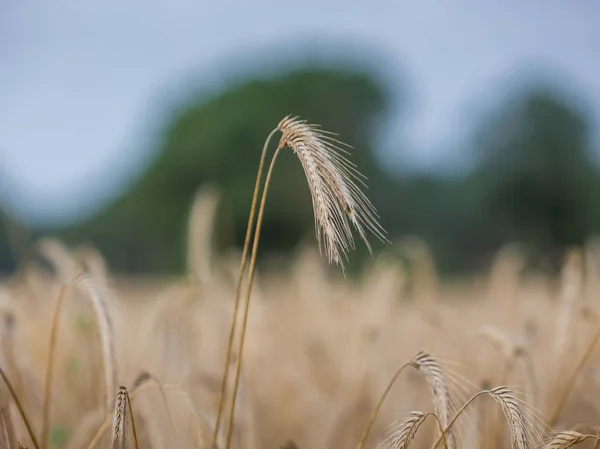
pixel 119 424
pixel 513 414
pixel 442 403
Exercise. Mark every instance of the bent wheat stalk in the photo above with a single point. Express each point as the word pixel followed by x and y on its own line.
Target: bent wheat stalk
pixel 238 295
pixel 570 381
pixel 337 203
pixel 105 329
pixel 11 390
pixel 50 368
pixel 367 431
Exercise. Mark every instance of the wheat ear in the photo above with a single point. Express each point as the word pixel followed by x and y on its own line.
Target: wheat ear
pixel 105 329
pixel 142 381
pixel 408 428
pixel 334 185
pixel 119 424
pixel 50 368
pixel 434 374
pixel 568 438
pixel 242 272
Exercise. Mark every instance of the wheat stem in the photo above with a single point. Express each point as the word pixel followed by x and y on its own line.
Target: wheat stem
pixel 460 411
pixel 50 368
pixel 134 433
pixel 375 412
pixel 20 408
pixel 571 381
pixel 249 227
pixel 252 269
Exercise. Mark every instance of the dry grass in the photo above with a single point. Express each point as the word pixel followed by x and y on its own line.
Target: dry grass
pixel 324 356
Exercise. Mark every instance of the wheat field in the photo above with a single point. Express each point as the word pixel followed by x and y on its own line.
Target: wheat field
pixel 505 360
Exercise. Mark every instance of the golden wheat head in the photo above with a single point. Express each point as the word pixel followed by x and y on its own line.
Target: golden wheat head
pixel 338 202
pixel 119 426
pixel 565 439
pixel 442 402
pixel 406 430
pixel 514 416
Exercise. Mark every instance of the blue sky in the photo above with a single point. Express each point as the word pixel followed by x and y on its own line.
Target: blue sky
pixel 79 81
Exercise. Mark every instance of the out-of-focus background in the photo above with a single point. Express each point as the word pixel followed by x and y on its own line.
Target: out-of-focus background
pixel 130 136
pixel 477 123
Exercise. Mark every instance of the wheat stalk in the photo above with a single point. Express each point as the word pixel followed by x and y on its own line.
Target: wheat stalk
pixel 50 368
pixel 15 398
pixel 337 200
pixel 369 426
pixel 241 274
pixel 570 382
pixel 7 430
pixel 105 329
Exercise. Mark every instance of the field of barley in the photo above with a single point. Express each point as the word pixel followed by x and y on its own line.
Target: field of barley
pixel 392 358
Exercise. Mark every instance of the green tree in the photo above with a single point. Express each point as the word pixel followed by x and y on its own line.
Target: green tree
pixel 534 173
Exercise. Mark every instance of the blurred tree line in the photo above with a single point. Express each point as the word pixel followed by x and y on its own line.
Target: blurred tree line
pixel 533 180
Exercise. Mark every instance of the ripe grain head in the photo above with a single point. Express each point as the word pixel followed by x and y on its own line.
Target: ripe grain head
pixel 333 180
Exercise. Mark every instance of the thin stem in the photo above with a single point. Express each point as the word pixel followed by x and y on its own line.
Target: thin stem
pixel 135 439
pixel 50 368
pixel 367 431
pixel 440 427
pixel 571 381
pixel 249 227
pixel 20 408
pixel 462 409
pixel 238 362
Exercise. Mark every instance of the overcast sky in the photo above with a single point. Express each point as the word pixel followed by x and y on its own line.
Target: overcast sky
pixel 78 80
